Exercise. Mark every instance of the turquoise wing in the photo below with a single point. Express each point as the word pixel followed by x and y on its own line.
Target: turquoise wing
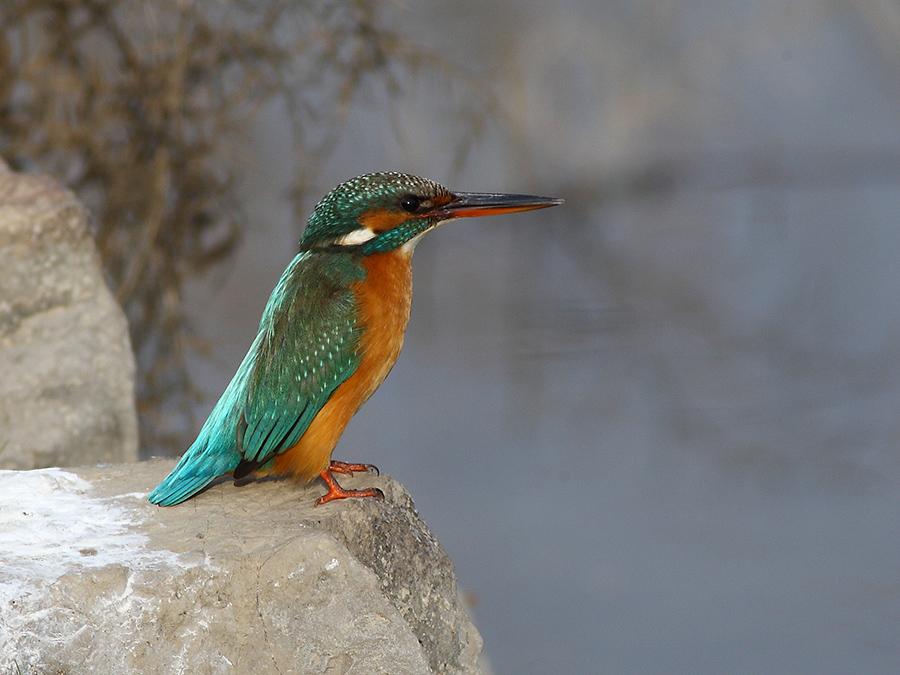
pixel 310 338
pixel 307 345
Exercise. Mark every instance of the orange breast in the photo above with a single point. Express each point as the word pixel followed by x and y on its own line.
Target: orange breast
pixel 384 299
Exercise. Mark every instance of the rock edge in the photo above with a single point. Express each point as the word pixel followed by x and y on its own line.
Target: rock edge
pixel 93 578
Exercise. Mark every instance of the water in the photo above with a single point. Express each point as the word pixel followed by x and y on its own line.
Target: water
pixel 656 431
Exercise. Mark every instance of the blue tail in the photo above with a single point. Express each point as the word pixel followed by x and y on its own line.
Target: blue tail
pixel 215 452
pixel 208 458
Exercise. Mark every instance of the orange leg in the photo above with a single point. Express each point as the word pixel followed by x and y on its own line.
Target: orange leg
pixel 335 491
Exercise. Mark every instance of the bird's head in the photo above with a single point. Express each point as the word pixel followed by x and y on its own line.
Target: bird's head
pixel 380 212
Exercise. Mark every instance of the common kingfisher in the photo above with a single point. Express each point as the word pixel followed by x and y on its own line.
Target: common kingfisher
pixel 329 335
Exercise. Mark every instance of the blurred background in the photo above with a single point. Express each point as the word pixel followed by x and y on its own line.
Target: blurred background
pixel 655 428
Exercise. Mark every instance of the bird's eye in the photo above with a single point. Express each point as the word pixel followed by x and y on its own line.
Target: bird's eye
pixel 410 203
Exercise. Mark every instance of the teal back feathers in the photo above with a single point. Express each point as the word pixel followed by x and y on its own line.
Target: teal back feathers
pixel 310 337
pixel 307 345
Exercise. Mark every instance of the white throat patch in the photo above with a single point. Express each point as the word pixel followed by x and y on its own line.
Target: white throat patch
pixel 410 246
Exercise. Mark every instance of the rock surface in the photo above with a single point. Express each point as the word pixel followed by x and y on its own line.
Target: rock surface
pixel 252 579
pixel 67 375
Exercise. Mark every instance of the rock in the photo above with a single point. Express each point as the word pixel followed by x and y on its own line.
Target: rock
pixel 252 579
pixel 67 375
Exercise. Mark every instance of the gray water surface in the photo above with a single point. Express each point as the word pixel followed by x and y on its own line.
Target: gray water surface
pixel 656 431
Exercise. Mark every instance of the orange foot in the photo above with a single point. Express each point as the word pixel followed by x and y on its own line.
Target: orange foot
pixel 343 467
pixel 335 491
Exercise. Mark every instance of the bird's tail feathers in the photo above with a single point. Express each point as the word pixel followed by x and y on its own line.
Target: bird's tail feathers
pixel 215 452
pixel 204 461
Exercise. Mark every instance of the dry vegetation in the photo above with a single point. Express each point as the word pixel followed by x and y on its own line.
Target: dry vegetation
pixel 140 107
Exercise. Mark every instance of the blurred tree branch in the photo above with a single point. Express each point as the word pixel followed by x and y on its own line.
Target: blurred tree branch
pixel 141 108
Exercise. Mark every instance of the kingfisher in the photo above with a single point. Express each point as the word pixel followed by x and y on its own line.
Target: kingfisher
pixel 329 335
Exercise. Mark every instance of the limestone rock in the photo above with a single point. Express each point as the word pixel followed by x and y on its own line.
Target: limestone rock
pixel 252 579
pixel 66 366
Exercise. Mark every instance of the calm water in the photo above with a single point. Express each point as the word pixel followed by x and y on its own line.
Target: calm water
pixel 656 433
pixel 626 494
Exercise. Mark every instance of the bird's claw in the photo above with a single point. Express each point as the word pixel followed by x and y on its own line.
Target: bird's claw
pixel 335 491
pixel 346 467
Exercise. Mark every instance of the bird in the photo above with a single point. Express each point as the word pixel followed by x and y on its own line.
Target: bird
pixel 329 335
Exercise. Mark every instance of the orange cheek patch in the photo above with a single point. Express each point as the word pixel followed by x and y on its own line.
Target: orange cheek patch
pixel 381 220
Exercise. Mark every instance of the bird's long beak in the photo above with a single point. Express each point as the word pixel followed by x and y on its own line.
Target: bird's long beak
pixel 470 204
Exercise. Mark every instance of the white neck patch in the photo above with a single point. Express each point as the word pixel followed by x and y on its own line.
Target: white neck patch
pixel 360 236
